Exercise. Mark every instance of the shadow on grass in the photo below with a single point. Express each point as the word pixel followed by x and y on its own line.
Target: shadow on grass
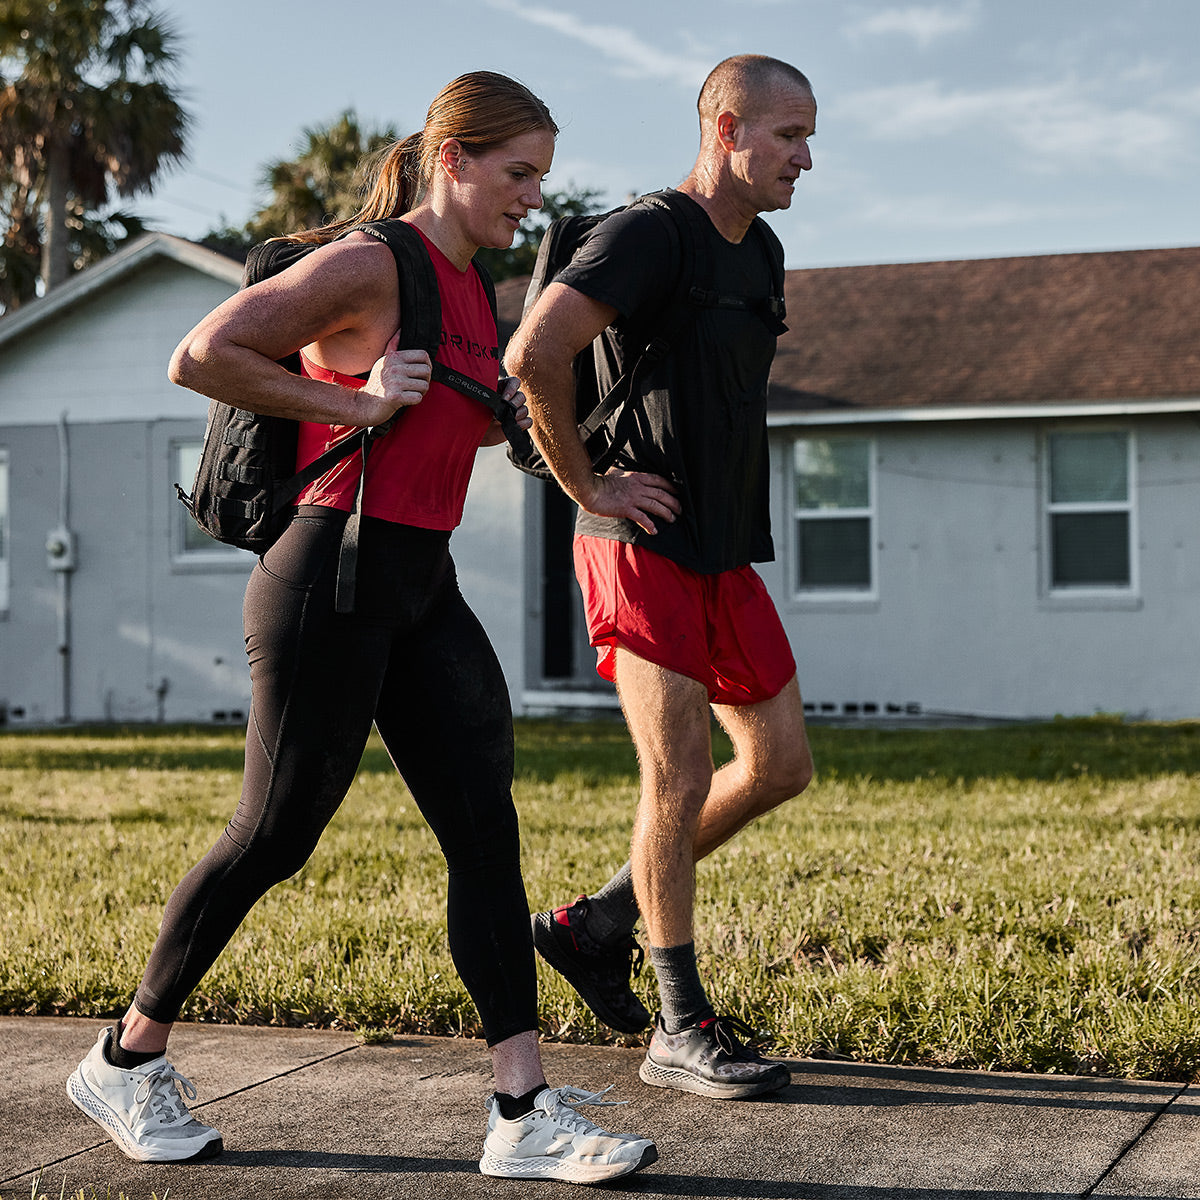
pixel 1100 748
pixel 1103 748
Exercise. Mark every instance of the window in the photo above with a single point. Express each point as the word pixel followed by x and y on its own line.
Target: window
pixel 3 531
pixel 833 492
pixel 190 544
pixel 1089 510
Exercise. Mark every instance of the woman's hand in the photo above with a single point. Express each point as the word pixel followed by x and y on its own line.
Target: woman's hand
pixel 513 396
pixel 399 379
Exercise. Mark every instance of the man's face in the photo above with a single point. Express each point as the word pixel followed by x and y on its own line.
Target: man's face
pixel 771 147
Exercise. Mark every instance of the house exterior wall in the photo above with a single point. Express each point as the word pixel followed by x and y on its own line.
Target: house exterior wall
pixel 490 550
pixel 138 632
pixel 128 635
pixel 961 620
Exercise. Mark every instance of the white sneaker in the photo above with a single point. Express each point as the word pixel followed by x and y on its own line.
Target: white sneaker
pixel 141 1110
pixel 554 1141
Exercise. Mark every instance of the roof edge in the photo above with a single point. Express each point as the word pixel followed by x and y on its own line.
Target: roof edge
pixel 992 412
pixel 113 268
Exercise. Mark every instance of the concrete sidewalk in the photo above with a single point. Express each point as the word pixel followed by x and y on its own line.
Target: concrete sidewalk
pixel 314 1114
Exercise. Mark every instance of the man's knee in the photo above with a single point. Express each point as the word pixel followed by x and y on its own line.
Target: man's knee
pixel 797 771
pixel 787 773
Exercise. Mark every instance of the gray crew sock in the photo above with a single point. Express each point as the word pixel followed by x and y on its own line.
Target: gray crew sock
pixel 613 910
pixel 684 1001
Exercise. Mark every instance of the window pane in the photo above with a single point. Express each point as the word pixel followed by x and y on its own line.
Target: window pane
pixel 1090 549
pixel 832 473
pixel 1088 467
pixel 187 459
pixel 834 553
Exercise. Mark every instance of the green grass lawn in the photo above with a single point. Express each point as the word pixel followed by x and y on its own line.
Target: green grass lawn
pixel 1019 898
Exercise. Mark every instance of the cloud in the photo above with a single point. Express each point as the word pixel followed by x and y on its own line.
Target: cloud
pixel 1056 126
pixel 923 23
pixel 632 57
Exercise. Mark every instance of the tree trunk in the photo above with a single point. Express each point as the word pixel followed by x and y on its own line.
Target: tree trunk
pixel 56 263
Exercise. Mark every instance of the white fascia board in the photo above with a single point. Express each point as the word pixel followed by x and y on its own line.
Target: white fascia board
pixel 996 412
pixel 109 270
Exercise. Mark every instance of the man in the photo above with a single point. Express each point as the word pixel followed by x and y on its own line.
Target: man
pixel 680 620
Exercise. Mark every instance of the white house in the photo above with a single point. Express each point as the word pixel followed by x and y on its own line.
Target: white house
pixel 987 485
pixel 113 607
pixel 986 488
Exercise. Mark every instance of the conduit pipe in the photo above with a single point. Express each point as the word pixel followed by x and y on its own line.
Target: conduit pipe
pixel 60 558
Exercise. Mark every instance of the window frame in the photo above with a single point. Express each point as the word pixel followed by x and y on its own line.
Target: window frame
pixel 838 594
pixel 216 556
pixel 1052 508
pixel 5 533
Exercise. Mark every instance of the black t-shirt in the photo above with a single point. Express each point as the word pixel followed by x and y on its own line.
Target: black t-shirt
pixel 701 420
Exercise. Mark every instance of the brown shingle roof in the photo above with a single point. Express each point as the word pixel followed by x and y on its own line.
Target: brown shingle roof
pixel 1121 325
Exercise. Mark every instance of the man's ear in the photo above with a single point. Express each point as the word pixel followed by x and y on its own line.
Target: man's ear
pixel 727 127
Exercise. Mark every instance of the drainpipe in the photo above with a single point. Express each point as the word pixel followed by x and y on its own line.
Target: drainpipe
pixel 60 558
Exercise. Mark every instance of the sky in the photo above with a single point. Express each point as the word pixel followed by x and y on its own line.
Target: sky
pixel 945 130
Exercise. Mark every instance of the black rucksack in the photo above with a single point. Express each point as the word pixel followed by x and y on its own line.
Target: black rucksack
pixel 605 418
pixel 246 482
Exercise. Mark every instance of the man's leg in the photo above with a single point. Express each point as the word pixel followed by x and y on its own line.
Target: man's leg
pixel 771 763
pixel 668 719
pixel 692 1049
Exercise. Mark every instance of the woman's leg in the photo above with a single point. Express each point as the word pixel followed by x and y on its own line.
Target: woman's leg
pixel 445 718
pixel 315 676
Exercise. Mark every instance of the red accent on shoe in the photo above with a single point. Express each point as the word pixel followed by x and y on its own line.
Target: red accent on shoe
pixel 562 917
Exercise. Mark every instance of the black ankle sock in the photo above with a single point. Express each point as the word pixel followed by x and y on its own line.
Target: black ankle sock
pixel 512 1107
pixel 684 1001
pixel 124 1059
pixel 612 912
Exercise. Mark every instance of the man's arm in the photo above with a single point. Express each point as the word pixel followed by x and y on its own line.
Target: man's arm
pixel 541 354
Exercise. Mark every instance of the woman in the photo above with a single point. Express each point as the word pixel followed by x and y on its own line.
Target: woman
pixel 411 658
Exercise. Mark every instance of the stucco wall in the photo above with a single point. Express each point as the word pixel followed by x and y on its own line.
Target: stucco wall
pixel 962 620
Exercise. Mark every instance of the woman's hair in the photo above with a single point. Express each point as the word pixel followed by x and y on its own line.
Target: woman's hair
pixel 482 109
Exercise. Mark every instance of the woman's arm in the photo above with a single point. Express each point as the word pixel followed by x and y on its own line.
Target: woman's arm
pixel 341 303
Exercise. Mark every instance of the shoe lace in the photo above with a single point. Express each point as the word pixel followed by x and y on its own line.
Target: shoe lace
pixel 637 956
pixel 725 1030
pixel 157 1091
pixel 562 1104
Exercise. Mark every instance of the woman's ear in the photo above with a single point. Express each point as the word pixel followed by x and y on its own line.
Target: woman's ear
pixel 452 157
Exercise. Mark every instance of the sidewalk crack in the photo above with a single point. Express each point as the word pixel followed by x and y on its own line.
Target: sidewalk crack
pixel 304 1066
pixel 1137 1137
pixel 194 1107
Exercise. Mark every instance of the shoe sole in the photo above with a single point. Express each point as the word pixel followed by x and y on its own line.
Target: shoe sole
pixel 92 1106
pixel 546 945
pixel 564 1170
pixel 683 1080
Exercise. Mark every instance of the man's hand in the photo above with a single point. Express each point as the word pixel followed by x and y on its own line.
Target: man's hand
pixel 513 396
pixel 635 495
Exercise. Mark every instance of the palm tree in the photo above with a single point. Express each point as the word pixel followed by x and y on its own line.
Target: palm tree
pixel 86 111
pixel 323 182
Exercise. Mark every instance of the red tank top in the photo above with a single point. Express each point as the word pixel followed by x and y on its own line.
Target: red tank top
pixel 417 473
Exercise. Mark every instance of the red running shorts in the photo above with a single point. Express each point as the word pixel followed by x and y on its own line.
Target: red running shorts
pixel 721 630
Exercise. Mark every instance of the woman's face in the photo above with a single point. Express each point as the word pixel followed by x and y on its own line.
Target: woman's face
pixel 496 190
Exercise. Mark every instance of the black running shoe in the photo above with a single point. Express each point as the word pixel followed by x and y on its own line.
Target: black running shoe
pixel 599 973
pixel 709 1060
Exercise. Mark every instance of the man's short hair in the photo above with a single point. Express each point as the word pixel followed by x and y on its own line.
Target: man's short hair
pixel 740 84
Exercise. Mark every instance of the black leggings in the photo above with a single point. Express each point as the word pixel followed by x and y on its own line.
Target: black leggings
pixel 413 658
